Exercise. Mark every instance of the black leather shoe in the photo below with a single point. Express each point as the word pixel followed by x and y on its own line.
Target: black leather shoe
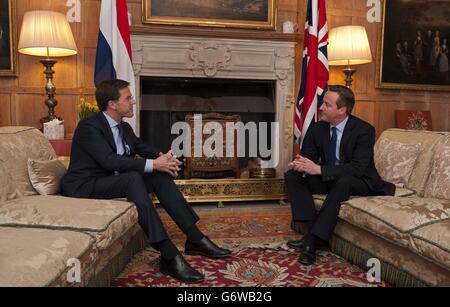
pixel 296 244
pixel 299 244
pixel 205 247
pixel 308 256
pixel 179 269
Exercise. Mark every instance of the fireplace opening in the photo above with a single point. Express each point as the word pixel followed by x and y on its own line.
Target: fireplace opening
pixel 166 101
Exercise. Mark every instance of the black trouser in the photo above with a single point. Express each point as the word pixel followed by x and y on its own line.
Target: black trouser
pixel 136 188
pixel 301 188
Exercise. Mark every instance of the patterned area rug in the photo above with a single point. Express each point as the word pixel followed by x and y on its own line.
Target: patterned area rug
pixel 260 257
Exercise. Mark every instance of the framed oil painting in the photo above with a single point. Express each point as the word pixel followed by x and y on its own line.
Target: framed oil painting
pixel 256 14
pixel 414 45
pixel 7 38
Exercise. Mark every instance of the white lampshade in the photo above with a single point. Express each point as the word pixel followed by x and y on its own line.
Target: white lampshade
pixel 348 45
pixel 46 33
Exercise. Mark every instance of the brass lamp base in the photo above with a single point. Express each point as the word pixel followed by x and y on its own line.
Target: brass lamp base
pixel 50 89
pixel 348 74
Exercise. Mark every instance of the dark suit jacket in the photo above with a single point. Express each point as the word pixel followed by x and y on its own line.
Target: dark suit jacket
pixel 94 155
pixel 356 154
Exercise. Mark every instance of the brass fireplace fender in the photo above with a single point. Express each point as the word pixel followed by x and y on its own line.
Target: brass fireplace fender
pixel 232 190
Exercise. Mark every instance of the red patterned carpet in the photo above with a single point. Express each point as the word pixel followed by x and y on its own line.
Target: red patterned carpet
pixel 260 255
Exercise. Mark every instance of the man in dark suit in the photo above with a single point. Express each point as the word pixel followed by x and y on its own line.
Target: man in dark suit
pixel 103 165
pixel 337 160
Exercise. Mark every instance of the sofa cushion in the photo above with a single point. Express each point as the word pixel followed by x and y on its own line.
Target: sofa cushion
pixel 395 161
pixel 38 257
pixel 403 192
pixel 46 176
pixel 399 192
pixel 394 218
pixel 362 242
pixel 104 219
pixel 428 141
pixel 433 241
pixel 17 145
pixel 438 184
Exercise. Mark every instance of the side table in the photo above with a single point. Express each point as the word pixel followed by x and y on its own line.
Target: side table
pixel 62 147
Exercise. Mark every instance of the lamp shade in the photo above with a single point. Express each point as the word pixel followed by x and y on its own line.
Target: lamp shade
pixel 348 45
pixel 46 33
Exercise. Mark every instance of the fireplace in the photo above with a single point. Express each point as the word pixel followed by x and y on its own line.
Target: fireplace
pixel 180 75
pixel 166 101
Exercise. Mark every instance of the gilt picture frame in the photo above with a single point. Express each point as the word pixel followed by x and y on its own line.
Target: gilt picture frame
pixel 251 14
pixel 413 45
pixel 8 56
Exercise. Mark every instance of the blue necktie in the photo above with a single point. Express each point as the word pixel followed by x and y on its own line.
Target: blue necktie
pixel 122 140
pixel 333 144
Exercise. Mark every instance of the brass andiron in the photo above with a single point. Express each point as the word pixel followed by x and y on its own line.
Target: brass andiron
pixel 257 170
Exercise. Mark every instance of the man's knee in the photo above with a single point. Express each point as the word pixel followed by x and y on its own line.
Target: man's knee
pixel 294 177
pixel 344 184
pixel 161 176
pixel 345 181
pixel 160 179
pixel 290 176
pixel 133 177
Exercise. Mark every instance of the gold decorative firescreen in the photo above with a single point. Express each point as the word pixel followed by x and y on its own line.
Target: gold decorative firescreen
pixel 212 167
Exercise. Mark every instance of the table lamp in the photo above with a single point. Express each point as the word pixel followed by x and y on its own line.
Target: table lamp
pixel 348 45
pixel 47 34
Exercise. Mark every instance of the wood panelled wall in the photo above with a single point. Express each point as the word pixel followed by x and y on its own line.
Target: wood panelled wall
pixel 377 106
pixel 22 97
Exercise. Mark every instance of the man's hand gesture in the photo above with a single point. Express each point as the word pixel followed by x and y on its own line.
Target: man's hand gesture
pixel 167 163
pixel 304 165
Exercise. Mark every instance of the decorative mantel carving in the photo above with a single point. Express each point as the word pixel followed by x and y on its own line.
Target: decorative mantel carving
pixel 285 59
pixel 209 57
pixel 137 50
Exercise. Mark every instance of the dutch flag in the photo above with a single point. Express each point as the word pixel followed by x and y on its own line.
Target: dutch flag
pixel 114 59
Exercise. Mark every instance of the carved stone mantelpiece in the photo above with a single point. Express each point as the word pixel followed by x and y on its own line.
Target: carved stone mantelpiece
pixel 209 58
pixel 202 57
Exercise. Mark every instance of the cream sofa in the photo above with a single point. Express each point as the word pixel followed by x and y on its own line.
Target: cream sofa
pixel 40 234
pixel 409 232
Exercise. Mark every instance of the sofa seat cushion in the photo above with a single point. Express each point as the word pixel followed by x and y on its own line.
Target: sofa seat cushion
pixel 399 192
pixel 362 245
pixel 37 257
pixel 394 218
pixel 105 219
pixel 433 241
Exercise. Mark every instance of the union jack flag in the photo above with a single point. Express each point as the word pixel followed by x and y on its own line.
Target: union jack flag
pixel 315 73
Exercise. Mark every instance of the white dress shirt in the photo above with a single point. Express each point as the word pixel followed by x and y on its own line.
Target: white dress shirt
pixel 120 145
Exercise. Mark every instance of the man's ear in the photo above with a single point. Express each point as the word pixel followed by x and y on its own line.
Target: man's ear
pixel 343 110
pixel 111 105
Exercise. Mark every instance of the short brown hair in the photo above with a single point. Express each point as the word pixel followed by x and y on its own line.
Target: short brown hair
pixel 109 90
pixel 346 97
